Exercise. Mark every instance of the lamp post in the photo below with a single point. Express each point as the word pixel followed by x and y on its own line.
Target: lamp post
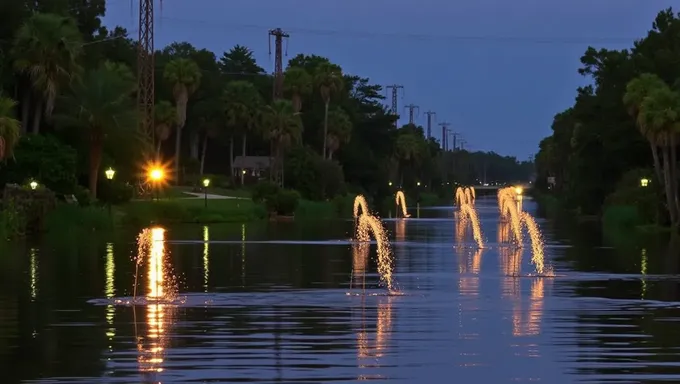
pixel 109 176
pixel 34 185
pixel 156 175
pixel 206 184
pixel 644 182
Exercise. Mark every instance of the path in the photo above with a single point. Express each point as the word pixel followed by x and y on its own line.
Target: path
pixel 195 195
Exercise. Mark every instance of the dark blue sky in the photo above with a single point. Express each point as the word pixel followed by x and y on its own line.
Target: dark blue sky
pixel 497 70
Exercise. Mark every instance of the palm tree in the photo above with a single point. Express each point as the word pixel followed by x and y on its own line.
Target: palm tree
pixel 10 127
pixel 45 51
pixel 282 127
pixel 242 103
pixel 659 114
pixel 339 130
pixel 101 106
pixel 185 77
pixel 165 120
pixel 636 92
pixel 209 122
pixel 408 151
pixel 298 83
pixel 328 78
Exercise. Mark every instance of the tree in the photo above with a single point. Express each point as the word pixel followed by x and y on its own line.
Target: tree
pixel 10 127
pixel 165 120
pixel 298 83
pixel 242 104
pixel 282 127
pixel 101 108
pixel 339 130
pixel 185 76
pixel 660 116
pixel 328 78
pixel 210 123
pixel 45 49
pixel 239 60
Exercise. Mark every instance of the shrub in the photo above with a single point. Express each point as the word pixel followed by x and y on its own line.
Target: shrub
pixel 45 159
pixel 115 191
pixel 264 189
pixel 69 217
pixel 283 202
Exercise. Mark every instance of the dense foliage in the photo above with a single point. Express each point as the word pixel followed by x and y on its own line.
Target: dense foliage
pixel 72 78
pixel 625 122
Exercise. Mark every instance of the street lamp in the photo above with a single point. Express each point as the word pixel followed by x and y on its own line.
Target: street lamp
pixel 418 183
pixel 34 185
pixel 644 182
pixel 109 175
pixel 156 175
pixel 206 184
pixel 390 183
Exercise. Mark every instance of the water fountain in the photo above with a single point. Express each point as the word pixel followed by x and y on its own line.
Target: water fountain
pixel 508 199
pixel 465 195
pixel 469 215
pixel 401 202
pixel 370 226
pixel 360 207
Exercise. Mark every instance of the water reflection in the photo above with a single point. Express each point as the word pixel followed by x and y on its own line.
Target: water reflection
pixel 33 260
pixel 400 230
pixel 206 257
pixel 360 256
pixel 643 272
pixel 151 348
pixel 110 291
pixel 369 352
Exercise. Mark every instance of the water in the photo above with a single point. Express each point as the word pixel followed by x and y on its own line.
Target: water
pixel 273 308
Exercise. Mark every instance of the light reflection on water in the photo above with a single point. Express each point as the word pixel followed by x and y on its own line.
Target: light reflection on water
pixel 468 315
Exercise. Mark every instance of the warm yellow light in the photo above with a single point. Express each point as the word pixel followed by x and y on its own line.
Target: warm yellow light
pixel 110 173
pixel 156 174
pixel 518 190
pixel 644 182
pixel 206 182
pixel 34 185
pixel 390 183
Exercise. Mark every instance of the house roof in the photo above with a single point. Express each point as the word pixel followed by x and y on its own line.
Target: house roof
pixel 252 162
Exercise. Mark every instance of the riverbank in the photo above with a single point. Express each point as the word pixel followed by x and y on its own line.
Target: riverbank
pixel 614 219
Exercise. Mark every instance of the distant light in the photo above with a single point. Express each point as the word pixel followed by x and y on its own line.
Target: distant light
pixel 418 183
pixel 34 185
pixel 519 190
pixel 206 182
pixel 156 174
pixel 644 182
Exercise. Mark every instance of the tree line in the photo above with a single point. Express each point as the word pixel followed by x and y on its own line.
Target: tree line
pixel 617 145
pixel 71 81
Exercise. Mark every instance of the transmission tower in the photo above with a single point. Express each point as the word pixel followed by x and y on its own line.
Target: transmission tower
pixel 279 35
pixel 411 108
pixel 145 68
pixel 445 130
pixel 429 122
pixel 395 91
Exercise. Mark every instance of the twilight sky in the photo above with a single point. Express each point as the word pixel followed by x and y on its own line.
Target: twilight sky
pixel 497 70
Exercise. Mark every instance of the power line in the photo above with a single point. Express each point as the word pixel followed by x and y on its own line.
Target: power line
pixel 372 34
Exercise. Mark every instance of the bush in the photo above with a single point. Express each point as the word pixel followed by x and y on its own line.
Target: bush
pixel 115 191
pixel 45 159
pixel 82 194
pixel 311 175
pixel 263 190
pixel 283 202
pixel 69 217
pixel 629 193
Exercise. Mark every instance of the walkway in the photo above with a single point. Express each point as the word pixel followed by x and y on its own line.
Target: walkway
pixel 195 195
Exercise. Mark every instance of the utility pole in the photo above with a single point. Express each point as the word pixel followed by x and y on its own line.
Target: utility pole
pixel 395 90
pixel 455 136
pixel 279 35
pixel 462 145
pixel 429 122
pixel 445 130
pixel 145 69
pixel 411 108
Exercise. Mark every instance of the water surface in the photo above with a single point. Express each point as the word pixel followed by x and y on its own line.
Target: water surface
pixel 265 303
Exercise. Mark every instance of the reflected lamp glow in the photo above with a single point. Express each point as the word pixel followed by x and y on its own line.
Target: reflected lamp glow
pixel 110 173
pixel 206 183
pixel 644 182
pixel 33 184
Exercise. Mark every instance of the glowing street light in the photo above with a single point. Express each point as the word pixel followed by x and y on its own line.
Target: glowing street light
pixel 110 173
pixel 390 183
pixel 206 184
pixel 418 183
pixel 156 175
pixel 644 182
pixel 34 185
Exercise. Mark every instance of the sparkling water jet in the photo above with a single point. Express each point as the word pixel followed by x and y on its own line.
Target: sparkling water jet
pixel 360 206
pixel 370 226
pixel 465 195
pixel 401 202
pixel 470 215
